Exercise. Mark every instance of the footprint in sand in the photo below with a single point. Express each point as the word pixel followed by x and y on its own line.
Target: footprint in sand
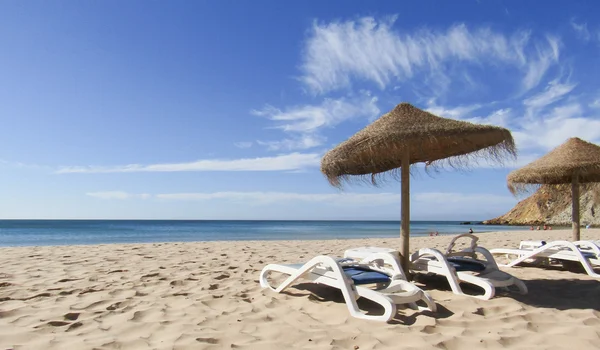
pixel 208 340
pixel 222 276
pixel 213 286
pixel 89 290
pixel 72 316
pixel 74 326
pixel 118 305
pixel 36 296
pixel 113 306
pixel 68 280
pixel 58 323
pixel 68 292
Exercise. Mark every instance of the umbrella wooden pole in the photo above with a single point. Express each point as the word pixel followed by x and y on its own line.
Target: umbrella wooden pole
pixel 405 211
pixel 575 207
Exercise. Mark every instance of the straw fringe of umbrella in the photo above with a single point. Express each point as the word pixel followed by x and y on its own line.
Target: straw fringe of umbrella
pixel 574 157
pixel 374 154
pixel 574 162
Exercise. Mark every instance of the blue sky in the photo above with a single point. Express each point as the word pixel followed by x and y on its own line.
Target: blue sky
pixel 223 109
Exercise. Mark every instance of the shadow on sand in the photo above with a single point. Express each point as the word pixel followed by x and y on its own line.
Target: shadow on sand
pixel 562 294
pixel 322 293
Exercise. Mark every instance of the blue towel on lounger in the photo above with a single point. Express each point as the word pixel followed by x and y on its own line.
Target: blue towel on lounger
pixel 465 264
pixel 362 275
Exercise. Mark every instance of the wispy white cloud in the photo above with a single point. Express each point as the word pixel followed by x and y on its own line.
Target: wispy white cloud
pixel 459 112
pixel 243 144
pixel 554 92
pixel 595 103
pixel 310 118
pixel 554 127
pixel 499 117
pixel 367 49
pixel 301 142
pixel 305 122
pixel 538 65
pixel 284 162
pixel 581 29
pixel 118 195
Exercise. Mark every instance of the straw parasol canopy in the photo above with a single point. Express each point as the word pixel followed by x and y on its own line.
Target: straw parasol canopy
pixel 575 161
pixel 408 135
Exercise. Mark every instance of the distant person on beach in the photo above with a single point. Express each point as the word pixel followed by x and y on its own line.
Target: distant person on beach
pixel 538 228
pixel 470 230
pixel 531 228
pixel 545 227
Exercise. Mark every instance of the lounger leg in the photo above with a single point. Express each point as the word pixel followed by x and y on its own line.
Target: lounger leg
pixel 388 305
pixel 521 285
pixel 429 301
pixel 489 289
pixel 401 285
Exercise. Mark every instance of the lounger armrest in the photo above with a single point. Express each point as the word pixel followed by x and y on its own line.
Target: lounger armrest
pixel 588 246
pixel 489 258
pixel 436 254
pixel 443 268
pixel 388 259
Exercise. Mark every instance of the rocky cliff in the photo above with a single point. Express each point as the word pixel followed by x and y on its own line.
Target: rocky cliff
pixel 551 205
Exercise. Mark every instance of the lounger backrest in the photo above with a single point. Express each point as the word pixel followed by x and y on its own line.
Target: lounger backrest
pixel 531 245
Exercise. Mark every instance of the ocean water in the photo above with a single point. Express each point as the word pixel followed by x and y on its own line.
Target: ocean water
pixel 74 232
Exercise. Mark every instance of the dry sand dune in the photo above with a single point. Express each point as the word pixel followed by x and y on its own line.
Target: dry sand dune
pixel 207 296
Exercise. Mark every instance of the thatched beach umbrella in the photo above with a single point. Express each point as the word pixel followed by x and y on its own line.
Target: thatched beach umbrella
pixel 575 161
pixel 408 135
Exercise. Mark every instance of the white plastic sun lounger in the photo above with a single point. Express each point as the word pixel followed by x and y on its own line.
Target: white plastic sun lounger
pixel 350 276
pixel 463 266
pixel 587 253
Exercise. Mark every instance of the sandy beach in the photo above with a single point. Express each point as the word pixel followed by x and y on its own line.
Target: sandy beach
pixel 207 295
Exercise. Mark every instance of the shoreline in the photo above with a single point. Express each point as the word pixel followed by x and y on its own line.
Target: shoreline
pixel 206 295
pixel 413 236
pixel 420 236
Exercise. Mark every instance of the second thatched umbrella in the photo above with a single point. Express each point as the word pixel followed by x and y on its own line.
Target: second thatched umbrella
pixel 575 161
pixel 408 135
